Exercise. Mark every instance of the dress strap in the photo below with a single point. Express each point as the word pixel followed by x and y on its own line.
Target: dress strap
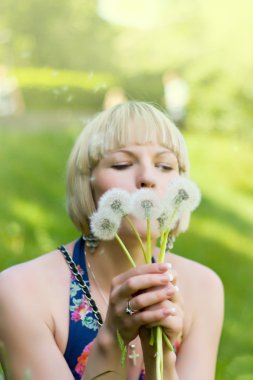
pixel 78 255
pixel 79 278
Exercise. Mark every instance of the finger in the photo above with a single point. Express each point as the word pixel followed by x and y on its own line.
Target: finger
pixel 150 316
pixel 178 297
pixel 173 276
pixel 173 323
pixel 153 297
pixel 137 283
pixel 175 309
pixel 142 269
pixel 173 326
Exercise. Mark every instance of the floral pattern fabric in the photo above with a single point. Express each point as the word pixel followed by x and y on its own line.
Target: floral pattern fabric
pixel 83 326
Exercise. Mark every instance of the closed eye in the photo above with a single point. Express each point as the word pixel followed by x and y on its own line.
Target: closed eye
pixel 122 166
pixel 164 167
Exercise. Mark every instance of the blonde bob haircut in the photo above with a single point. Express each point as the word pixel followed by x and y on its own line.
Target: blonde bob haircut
pixel 122 125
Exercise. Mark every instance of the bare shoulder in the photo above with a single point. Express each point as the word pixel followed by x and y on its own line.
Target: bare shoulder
pixel 202 290
pixel 203 294
pixel 33 299
pixel 196 276
pixel 23 275
pixel 33 280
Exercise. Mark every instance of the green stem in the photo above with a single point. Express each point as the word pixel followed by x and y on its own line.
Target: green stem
pixel 167 342
pixel 152 336
pixel 164 238
pixel 149 254
pixel 159 354
pixel 163 246
pixel 138 236
pixel 125 250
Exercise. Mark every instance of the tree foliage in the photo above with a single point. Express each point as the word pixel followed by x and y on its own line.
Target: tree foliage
pixel 207 42
pixel 59 33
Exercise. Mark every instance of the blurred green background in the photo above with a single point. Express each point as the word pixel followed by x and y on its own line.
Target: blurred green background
pixel 64 56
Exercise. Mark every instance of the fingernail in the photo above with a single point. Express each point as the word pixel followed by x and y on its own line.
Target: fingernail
pixel 164 266
pixel 166 312
pixel 172 311
pixel 169 291
pixel 176 288
pixel 164 280
pixel 171 277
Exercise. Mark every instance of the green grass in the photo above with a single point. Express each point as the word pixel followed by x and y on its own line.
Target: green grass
pixel 221 237
pixel 33 219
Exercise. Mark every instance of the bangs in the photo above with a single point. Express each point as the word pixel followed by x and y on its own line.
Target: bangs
pixel 133 123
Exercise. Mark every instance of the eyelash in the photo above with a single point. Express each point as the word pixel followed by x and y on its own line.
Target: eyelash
pixel 121 166
pixel 126 166
pixel 164 167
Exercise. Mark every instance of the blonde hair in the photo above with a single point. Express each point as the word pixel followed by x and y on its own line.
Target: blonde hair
pixel 124 124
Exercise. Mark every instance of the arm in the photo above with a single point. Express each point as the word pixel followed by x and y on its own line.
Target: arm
pixel 105 358
pixel 198 353
pixel 26 331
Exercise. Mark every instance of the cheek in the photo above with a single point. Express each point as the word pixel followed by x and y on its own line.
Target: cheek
pixel 99 186
pixel 174 175
pixel 102 182
pixel 165 182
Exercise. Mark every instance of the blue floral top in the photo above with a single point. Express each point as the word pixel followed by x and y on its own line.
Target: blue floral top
pixel 83 326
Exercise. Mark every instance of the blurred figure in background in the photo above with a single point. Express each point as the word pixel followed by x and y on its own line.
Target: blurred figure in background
pixel 11 99
pixel 114 96
pixel 176 95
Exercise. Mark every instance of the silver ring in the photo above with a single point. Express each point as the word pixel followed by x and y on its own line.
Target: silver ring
pixel 129 310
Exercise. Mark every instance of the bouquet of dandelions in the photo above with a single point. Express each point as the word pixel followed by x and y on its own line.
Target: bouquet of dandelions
pixel 182 195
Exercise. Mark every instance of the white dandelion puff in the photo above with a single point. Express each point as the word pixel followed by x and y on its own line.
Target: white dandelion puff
pixel 104 227
pixel 182 195
pixel 145 204
pixel 167 220
pixel 115 201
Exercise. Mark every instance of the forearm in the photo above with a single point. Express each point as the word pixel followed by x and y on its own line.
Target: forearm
pixel 170 372
pixel 105 359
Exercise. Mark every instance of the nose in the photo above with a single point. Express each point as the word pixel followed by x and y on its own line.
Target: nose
pixel 145 179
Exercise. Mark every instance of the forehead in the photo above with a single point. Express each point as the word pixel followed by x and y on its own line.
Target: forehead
pixel 155 150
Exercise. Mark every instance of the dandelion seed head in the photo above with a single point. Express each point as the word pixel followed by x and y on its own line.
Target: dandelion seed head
pixel 104 227
pixel 145 204
pixel 167 220
pixel 163 221
pixel 115 201
pixel 183 194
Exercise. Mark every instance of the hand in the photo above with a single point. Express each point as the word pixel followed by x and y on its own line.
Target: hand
pixel 172 325
pixel 173 322
pixel 148 287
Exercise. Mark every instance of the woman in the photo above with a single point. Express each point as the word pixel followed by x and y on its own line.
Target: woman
pixel 47 323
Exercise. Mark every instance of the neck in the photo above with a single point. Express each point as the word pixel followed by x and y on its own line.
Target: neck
pixel 115 251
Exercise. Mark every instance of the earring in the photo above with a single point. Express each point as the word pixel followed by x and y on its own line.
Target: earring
pixel 91 241
pixel 170 242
